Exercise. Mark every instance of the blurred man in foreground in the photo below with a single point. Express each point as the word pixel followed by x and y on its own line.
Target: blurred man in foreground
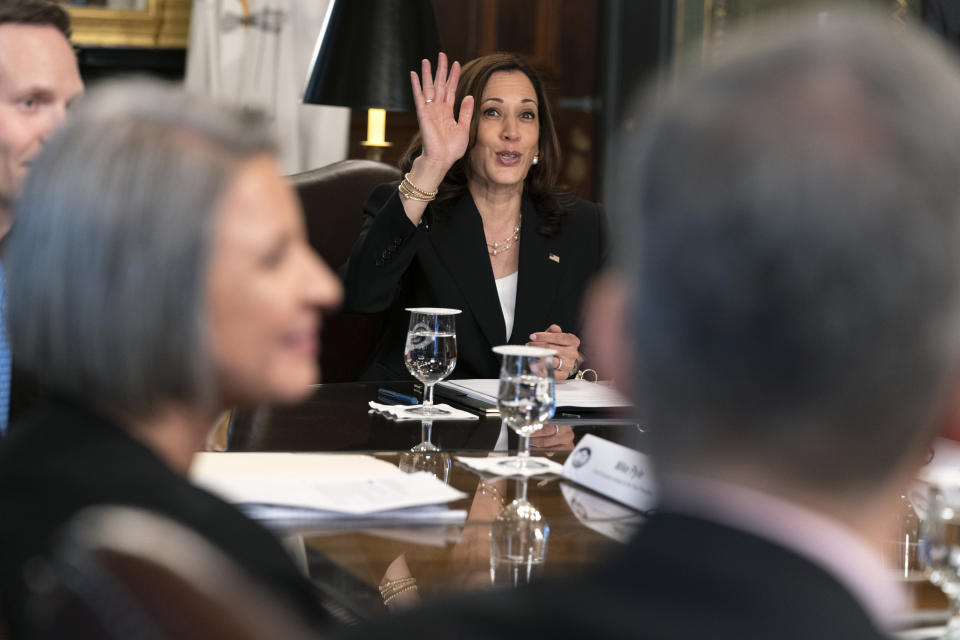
pixel 792 217
pixel 38 82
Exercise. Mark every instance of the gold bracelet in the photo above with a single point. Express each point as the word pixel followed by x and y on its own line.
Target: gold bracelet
pixel 387 587
pixel 407 194
pixel 417 190
pixel 393 595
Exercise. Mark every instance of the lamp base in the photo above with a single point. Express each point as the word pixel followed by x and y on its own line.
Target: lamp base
pixel 375 149
pixel 376 130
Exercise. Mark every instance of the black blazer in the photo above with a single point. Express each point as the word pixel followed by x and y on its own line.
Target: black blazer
pixel 943 16
pixel 682 578
pixel 444 263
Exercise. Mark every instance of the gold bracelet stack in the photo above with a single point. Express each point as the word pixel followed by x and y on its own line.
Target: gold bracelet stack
pixel 410 191
pixel 393 588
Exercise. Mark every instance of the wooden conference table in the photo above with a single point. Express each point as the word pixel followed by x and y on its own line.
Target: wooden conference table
pixel 352 559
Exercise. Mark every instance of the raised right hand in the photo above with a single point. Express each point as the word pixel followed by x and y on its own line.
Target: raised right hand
pixel 445 138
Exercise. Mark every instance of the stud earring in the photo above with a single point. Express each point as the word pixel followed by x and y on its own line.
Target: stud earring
pixel 536 159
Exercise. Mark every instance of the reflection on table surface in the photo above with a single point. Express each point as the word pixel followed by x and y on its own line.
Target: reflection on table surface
pixel 580 527
pixel 449 559
pixel 336 418
pixel 584 527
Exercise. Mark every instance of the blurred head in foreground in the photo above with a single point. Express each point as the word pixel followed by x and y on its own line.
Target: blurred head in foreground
pixel 794 213
pixel 160 260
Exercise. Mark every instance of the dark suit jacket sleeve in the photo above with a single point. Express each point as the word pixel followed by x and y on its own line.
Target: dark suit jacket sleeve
pixel 387 245
pixel 943 16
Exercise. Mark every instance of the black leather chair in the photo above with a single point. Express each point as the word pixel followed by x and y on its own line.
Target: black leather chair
pixel 332 198
pixel 126 573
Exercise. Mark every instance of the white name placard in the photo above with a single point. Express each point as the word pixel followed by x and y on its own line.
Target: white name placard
pixel 613 470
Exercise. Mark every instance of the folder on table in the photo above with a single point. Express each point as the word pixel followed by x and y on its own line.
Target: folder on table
pixel 572 395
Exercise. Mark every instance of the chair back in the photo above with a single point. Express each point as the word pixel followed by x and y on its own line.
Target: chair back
pixel 127 573
pixel 332 199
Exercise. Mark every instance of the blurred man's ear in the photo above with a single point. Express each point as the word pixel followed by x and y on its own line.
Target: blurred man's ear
pixel 608 340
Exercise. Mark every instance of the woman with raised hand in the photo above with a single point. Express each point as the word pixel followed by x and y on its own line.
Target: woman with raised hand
pixel 478 223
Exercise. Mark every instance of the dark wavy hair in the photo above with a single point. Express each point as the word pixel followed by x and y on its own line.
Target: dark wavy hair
pixel 35 12
pixel 541 182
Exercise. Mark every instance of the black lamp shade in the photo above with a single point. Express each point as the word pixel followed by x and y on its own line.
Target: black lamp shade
pixel 366 51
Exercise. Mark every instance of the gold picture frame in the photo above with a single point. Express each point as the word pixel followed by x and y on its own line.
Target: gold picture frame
pixel 700 25
pixel 162 23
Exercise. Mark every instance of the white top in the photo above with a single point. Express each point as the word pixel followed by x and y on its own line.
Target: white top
pixel 507 292
pixel 836 548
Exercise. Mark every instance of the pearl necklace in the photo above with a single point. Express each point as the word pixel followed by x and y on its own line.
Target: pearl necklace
pixel 506 244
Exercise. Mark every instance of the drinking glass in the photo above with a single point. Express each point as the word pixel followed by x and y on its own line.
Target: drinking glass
pixel 431 352
pixel 426 456
pixel 426 432
pixel 518 542
pixel 526 396
pixel 939 548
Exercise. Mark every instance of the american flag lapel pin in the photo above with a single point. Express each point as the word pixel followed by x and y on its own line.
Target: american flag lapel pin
pixel 554 257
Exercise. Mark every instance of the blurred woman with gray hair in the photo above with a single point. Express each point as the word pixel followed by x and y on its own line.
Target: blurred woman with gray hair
pixel 158 272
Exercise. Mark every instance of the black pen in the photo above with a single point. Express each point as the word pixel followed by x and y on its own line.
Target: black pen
pixel 396 396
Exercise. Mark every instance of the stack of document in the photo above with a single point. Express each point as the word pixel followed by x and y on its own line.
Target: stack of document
pixel 303 488
pixel 571 394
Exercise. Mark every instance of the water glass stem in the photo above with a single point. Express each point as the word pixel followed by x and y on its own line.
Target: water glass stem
pixel 522 490
pixel 523 454
pixel 427 394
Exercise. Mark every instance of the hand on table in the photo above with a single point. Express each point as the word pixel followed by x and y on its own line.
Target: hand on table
pixel 566 345
pixel 553 436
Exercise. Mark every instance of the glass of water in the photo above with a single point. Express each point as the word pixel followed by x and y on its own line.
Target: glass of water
pixel 518 542
pixel 427 457
pixel 431 352
pixel 526 396
pixel 939 548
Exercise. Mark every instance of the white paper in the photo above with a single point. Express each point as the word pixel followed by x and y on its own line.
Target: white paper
pixel 495 466
pixel 401 412
pixel 944 469
pixel 570 393
pixel 430 514
pixel 292 486
pixel 613 470
pixel 350 495
pixel 589 395
pixel 218 464
pixel 604 517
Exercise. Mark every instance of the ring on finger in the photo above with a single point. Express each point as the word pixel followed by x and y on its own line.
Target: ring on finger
pixel 559 364
pixel 428 100
pixel 556 429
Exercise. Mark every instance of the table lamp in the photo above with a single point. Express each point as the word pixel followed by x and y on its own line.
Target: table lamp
pixel 364 55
